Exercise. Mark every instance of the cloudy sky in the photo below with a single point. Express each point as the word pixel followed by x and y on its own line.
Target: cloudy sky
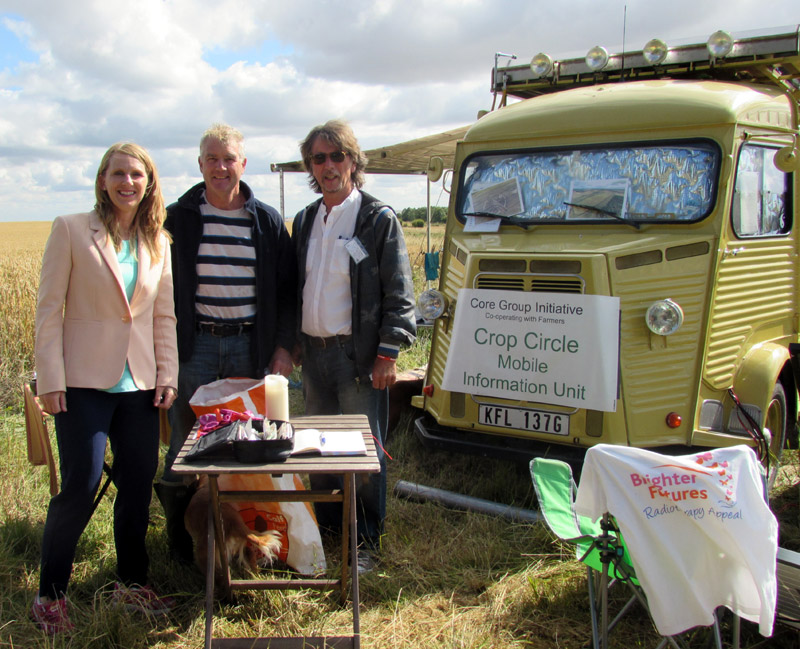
pixel 77 76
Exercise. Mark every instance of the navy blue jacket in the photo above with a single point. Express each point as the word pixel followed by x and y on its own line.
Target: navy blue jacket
pixel 276 273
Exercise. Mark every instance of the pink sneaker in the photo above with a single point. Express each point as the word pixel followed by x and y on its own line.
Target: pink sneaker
pixel 51 617
pixel 142 599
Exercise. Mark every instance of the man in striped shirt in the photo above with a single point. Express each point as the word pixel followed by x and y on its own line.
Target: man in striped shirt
pixel 234 273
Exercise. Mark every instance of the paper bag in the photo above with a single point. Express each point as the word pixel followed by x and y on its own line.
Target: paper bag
pixel 301 543
pixel 233 394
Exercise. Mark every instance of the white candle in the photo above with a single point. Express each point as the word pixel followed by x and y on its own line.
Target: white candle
pixel 276 388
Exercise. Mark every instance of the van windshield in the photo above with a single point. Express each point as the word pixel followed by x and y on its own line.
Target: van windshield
pixel 642 183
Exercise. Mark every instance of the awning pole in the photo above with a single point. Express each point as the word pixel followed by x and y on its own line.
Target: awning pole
pixel 283 213
pixel 422 493
pixel 429 211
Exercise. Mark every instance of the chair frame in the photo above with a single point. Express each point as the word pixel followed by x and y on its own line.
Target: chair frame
pixel 40 451
pixel 611 553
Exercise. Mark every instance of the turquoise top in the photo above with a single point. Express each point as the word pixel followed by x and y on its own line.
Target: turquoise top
pixel 129 265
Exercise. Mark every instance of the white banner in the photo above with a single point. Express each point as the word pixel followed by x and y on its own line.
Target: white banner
pixel 554 348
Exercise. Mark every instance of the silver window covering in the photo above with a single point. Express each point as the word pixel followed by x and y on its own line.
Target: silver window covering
pixel 667 182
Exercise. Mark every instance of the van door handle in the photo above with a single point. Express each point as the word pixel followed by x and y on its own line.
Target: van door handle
pixel 732 252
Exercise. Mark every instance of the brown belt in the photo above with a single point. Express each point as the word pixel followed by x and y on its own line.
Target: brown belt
pixel 330 341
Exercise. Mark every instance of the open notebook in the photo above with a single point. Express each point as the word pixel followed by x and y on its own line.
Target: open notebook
pixel 339 442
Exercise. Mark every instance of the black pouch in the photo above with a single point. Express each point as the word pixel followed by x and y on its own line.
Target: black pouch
pixel 218 442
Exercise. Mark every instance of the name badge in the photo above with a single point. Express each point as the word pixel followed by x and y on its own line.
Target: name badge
pixel 356 250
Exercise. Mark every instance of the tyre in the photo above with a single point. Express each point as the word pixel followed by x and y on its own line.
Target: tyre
pixel 777 421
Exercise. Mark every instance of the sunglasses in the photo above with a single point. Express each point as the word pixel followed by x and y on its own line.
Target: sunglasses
pixel 336 156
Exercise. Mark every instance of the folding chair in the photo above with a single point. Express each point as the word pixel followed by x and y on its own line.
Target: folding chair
pixel 788 573
pixel 598 545
pixel 40 453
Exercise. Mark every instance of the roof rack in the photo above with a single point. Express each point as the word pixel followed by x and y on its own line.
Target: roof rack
pixel 763 56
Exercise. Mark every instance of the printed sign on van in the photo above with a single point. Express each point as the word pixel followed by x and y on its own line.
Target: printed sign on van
pixel 554 348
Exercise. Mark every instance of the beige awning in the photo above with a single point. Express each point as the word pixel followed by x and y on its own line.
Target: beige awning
pixel 411 157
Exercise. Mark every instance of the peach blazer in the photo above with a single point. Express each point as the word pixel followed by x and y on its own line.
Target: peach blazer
pixel 85 328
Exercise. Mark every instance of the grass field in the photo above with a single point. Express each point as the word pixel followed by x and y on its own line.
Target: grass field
pixel 448 579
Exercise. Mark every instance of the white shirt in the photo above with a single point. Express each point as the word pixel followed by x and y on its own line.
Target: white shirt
pixel 698 529
pixel 327 300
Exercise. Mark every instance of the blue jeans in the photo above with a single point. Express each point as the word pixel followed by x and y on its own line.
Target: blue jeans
pixel 213 358
pixel 129 421
pixel 331 386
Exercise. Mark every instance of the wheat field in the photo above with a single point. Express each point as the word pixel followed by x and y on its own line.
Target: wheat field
pixel 21 248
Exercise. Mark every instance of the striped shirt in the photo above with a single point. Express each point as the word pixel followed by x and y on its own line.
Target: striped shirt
pixel 226 267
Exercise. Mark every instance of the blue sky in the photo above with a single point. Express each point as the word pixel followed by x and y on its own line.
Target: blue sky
pixel 13 50
pixel 222 58
pixel 76 77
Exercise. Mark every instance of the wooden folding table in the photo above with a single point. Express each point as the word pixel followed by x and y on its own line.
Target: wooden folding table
pixel 346 466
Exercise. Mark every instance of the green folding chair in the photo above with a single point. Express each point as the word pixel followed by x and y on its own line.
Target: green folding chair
pixel 599 545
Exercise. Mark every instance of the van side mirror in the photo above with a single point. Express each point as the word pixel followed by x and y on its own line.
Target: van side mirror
pixel 435 168
pixel 787 159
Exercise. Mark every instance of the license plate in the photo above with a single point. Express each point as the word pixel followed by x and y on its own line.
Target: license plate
pixel 536 421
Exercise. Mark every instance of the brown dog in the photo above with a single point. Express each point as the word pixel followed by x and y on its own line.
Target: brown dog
pixel 244 545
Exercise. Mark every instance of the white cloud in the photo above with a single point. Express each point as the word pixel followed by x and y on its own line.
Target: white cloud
pixel 94 72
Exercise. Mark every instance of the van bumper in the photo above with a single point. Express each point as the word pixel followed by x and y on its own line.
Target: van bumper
pixel 502 447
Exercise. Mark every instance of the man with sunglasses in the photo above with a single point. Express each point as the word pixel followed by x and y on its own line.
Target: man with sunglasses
pixel 355 309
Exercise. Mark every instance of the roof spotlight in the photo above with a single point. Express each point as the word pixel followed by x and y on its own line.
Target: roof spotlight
pixel 597 58
pixel 541 65
pixel 655 51
pixel 719 44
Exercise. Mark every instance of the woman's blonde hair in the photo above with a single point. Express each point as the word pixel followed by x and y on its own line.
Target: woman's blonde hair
pixel 149 219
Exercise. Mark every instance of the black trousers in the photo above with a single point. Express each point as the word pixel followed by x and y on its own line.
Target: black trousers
pixel 129 421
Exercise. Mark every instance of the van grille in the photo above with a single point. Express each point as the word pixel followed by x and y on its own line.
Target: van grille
pixel 529 283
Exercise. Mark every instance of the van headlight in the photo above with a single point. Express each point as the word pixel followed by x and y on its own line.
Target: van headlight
pixel 431 304
pixel 664 317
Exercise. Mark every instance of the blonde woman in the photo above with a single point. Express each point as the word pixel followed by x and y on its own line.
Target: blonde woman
pixel 106 361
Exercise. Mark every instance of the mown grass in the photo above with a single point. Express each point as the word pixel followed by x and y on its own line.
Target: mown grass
pixel 448 579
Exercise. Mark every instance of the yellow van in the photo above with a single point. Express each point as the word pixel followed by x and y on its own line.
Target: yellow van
pixel 620 262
